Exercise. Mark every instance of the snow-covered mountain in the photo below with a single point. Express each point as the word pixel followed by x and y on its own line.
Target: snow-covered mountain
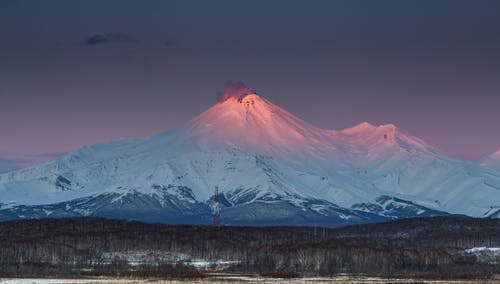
pixel 492 161
pixel 271 168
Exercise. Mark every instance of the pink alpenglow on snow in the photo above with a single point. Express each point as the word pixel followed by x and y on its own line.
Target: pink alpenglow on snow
pixel 492 161
pixel 246 121
pixel 256 151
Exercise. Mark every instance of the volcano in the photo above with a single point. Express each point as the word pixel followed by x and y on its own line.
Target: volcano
pixel 271 167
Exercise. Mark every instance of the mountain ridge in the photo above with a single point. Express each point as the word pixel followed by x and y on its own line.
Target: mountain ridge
pixel 262 158
pixel 492 160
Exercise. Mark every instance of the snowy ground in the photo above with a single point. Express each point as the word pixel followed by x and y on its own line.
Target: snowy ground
pixel 490 255
pixel 136 258
pixel 483 249
pixel 241 279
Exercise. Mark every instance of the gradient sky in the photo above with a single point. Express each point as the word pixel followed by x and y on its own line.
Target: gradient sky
pixel 76 73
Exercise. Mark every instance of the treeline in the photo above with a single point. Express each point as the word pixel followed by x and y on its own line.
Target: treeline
pixel 431 247
pixel 452 232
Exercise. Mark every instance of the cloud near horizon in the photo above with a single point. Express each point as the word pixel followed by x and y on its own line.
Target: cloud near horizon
pixel 7 165
pixel 15 162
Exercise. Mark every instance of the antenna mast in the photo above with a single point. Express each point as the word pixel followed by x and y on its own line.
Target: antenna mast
pixel 216 207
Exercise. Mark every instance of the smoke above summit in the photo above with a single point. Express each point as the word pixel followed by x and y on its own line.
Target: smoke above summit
pixel 234 89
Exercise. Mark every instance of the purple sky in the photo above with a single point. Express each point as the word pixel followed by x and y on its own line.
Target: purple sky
pixel 83 72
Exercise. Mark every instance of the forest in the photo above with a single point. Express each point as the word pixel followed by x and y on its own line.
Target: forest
pixel 434 247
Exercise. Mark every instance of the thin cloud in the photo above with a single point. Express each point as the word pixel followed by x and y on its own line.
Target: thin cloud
pixel 168 43
pixel 110 38
pixel 14 162
pixel 7 165
pixel 48 156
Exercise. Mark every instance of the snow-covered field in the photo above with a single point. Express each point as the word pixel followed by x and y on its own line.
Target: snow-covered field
pixel 137 258
pixel 141 257
pixel 484 249
pixel 485 254
pixel 240 279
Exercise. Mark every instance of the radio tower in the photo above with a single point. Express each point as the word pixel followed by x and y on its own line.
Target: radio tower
pixel 216 208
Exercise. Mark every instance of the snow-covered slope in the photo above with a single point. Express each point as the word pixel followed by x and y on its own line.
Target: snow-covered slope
pixel 492 161
pixel 271 168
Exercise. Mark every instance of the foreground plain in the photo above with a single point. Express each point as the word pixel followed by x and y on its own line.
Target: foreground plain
pixel 247 279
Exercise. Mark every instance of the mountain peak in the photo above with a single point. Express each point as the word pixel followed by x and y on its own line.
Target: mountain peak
pixel 366 127
pixel 304 167
pixel 492 160
pixel 246 121
pixel 247 100
pixel 363 126
pixel 250 122
pixel 496 154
